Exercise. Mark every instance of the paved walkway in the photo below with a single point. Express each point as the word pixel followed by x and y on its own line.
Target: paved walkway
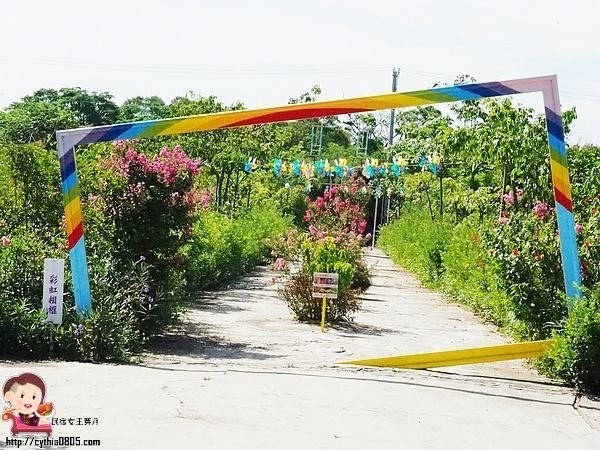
pixel 241 373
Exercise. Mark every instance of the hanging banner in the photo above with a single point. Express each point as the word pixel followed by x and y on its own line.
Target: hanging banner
pixel 338 168
pixel 54 280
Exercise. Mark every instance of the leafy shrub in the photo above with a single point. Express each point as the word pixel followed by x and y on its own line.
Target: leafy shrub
pixel 575 356
pixel 127 311
pixel 362 277
pixel 297 293
pixel 221 247
pixel 333 244
pixel 123 317
pixel 144 207
pixel 416 242
pixel 525 248
pixel 22 262
pixel 472 277
pixel 150 201
pixel 291 200
pixel 30 188
pixel 323 255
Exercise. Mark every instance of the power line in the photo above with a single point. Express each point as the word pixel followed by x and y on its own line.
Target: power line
pixel 190 69
pixel 241 71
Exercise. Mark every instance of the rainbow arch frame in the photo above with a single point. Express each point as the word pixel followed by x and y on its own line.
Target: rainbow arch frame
pixel 547 85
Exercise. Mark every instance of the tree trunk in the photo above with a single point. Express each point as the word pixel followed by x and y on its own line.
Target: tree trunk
pixel 235 189
pixel 220 189
pixel 441 196
pixel 228 173
pixel 504 176
pixel 429 204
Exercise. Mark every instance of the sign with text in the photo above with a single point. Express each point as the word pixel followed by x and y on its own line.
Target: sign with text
pixel 325 285
pixel 54 279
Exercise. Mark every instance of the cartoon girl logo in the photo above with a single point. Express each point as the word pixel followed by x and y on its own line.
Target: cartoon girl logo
pixel 25 395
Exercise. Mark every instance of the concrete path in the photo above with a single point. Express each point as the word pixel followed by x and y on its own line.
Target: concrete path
pixel 241 373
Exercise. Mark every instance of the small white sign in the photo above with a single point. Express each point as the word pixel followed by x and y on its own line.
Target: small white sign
pixel 325 285
pixel 54 280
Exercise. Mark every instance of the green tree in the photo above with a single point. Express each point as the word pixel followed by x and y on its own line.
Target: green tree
pixel 29 122
pixel 89 108
pixel 142 108
pixel 421 130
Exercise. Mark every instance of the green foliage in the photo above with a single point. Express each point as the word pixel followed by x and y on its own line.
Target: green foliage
pixel 36 122
pixel 37 117
pixel 500 254
pixel 472 277
pixel 30 189
pixel 123 314
pixel 326 256
pixel 220 247
pixel 22 264
pixel 526 252
pixel 420 130
pixel 329 257
pixel 142 108
pixel 585 178
pixel 89 108
pixel 418 248
pixel 575 356
pixel 126 313
pixel 138 212
pixel 22 323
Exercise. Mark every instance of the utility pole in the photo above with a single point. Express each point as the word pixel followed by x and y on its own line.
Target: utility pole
pixel 395 74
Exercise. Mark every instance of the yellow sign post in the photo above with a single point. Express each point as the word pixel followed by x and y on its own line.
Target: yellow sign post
pixel 323 313
pixel 325 285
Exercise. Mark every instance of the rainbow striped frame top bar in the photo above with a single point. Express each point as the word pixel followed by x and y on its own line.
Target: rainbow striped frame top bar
pixel 68 139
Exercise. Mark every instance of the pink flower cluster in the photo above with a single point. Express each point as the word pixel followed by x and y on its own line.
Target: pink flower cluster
pixel 541 210
pixel 336 210
pixel 280 264
pixel 206 199
pixel 169 165
pixel 341 238
pixel 508 198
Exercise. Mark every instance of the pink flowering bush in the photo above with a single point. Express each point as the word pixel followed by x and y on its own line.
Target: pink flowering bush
pixel 333 243
pixel 151 201
pixel 341 208
pixel 525 247
pixel 143 207
pixel 525 252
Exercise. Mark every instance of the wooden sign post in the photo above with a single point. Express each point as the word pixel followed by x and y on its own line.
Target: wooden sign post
pixel 325 285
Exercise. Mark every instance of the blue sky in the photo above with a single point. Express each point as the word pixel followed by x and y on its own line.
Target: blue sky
pixel 264 52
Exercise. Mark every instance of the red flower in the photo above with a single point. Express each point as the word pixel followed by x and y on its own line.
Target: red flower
pixel 515 252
